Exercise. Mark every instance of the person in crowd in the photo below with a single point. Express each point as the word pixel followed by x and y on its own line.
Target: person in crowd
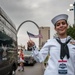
pixel 21 56
pixel 60 48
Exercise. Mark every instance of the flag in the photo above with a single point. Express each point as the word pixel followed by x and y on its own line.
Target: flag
pixel 34 36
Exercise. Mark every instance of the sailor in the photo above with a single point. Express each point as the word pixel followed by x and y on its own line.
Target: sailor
pixel 60 48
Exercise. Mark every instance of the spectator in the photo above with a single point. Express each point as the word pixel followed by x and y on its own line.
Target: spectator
pixel 21 66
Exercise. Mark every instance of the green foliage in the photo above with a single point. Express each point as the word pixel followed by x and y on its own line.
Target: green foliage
pixel 71 31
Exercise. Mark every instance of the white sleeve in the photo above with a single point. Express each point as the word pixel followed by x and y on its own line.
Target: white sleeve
pixel 74 56
pixel 40 56
pixel 74 65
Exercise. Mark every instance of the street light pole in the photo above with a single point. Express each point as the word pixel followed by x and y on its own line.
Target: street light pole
pixel 74 12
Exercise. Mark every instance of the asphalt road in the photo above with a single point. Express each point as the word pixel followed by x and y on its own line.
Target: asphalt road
pixel 37 69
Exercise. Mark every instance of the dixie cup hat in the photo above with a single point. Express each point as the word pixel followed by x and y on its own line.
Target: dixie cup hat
pixel 59 17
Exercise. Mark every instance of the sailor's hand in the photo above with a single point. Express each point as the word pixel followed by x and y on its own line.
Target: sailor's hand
pixel 30 43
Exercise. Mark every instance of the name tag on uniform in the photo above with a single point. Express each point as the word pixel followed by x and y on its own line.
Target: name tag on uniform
pixel 62 67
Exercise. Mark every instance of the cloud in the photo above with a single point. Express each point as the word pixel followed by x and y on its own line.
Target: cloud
pixel 34 3
pixel 39 11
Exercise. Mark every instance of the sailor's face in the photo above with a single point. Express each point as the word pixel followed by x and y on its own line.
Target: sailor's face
pixel 61 27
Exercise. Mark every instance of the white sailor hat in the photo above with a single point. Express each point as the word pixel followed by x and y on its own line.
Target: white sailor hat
pixel 59 17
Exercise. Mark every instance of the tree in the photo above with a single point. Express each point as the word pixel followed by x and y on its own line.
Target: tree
pixel 71 31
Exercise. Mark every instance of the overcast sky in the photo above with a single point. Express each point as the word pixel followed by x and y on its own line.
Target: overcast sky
pixel 39 11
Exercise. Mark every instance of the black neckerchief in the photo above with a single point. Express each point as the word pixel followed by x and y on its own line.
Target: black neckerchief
pixel 64 49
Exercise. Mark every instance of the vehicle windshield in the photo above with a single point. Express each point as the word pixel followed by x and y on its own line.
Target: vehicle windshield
pixel 27 52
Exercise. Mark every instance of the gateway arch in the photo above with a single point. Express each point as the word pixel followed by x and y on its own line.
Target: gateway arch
pixel 25 22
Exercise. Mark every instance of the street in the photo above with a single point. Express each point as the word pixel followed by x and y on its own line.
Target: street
pixel 37 69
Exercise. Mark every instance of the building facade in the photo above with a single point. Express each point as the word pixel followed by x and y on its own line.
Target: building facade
pixel 6 25
pixel 8 45
pixel 45 31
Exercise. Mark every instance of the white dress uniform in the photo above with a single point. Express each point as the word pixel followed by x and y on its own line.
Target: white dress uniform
pixel 56 66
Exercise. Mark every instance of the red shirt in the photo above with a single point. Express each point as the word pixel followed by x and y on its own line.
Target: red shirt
pixel 22 55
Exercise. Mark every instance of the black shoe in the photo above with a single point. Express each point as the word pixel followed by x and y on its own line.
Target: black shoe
pixel 18 70
pixel 23 70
